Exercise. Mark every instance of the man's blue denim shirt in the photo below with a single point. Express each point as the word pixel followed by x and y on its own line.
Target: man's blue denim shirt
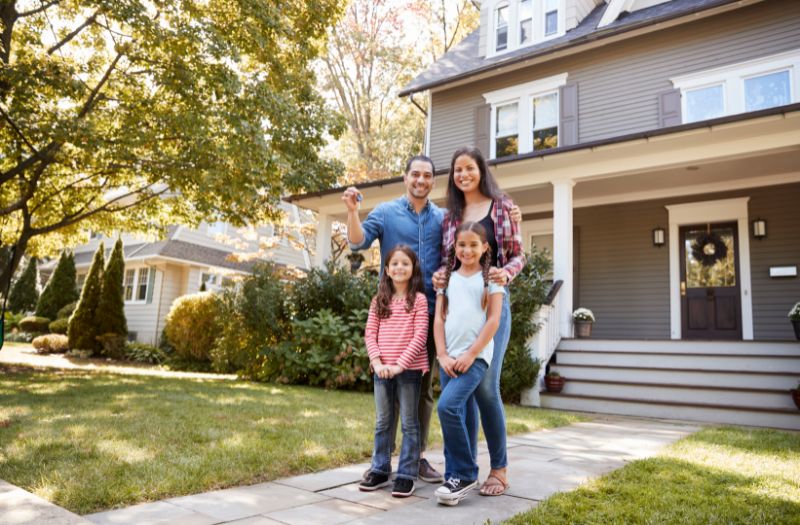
pixel 396 222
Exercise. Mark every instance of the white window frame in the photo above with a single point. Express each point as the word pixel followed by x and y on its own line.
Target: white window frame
pixel 523 94
pixel 732 78
pixel 216 228
pixel 137 271
pixel 538 25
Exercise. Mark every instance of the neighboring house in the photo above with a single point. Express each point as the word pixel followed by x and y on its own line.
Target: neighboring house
pixel 629 131
pixel 157 273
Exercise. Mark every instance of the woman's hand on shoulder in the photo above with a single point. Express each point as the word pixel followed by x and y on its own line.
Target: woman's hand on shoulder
pixel 499 276
pixel 515 213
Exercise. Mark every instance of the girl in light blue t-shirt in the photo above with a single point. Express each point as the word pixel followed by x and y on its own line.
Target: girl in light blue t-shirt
pixel 467 316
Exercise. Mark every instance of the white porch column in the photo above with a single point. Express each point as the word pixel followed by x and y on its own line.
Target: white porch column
pixel 562 250
pixel 323 244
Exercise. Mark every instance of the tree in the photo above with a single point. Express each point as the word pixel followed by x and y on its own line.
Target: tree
pixel 136 114
pixel 447 22
pixel 25 292
pixel 110 317
pixel 82 329
pixel 60 289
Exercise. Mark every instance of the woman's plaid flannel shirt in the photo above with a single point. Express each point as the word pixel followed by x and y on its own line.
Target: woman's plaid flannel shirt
pixel 511 257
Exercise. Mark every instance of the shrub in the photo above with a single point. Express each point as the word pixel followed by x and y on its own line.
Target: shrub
pixel 256 319
pixel 528 291
pixel 60 289
pixel 112 345
pixel 333 288
pixel 13 319
pixel 59 326
pixel 51 343
pixel 67 311
pixel 82 329
pixel 25 292
pixel 193 325
pixel 33 324
pixel 144 353
pixel 18 337
pixel 110 316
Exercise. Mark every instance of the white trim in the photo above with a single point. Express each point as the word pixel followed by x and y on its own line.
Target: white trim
pixel 537 25
pixel 509 94
pixel 702 212
pixel 562 250
pixel 428 119
pixel 613 10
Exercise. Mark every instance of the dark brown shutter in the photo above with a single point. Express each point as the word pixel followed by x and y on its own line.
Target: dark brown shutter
pixel 669 108
pixel 568 115
pixel 483 122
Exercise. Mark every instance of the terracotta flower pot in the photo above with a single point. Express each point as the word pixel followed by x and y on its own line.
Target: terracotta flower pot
pixel 554 383
pixel 795 396
pixel 583 329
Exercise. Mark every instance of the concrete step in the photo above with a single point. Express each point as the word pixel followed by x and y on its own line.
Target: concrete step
pixel 734 415
pixel 713 362
pixel 682 393
pixel 683 347
pixel 730 379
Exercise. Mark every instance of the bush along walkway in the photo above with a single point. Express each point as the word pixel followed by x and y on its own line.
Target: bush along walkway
pixel 542 464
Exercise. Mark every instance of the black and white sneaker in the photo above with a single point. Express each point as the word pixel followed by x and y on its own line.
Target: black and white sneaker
pixel 403 488
pixel 454 490
pixel 373 481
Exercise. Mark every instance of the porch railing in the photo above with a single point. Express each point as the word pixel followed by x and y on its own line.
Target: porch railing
pixel 545 341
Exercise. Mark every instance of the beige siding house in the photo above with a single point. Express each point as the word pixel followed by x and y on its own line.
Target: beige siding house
pixel 654 147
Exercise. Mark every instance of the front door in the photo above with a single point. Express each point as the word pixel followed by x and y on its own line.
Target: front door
pixel 710 297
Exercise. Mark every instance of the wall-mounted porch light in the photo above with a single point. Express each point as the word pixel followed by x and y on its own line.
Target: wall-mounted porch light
pixel 759 228
pixel 658 236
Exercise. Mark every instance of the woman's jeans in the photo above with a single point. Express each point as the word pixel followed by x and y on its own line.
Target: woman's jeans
pixel 460 445
pixel 487 397
pixel 401 391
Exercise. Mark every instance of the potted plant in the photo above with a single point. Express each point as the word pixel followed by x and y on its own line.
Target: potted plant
pixel 794 316
pixel 554 382
pixel 796 395
pixel 583 318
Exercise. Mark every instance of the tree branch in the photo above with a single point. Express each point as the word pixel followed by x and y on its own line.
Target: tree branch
pixel 39 9
pixel 89 21
pixel 18 131
pixel 87 107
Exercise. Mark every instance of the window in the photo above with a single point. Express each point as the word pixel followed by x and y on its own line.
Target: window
pixel 507 130
pixel 135 284
pixel 550 17
pixel 501 25
pixel 525 118
pixel 525 22
pixel 748 86
pixel 215 281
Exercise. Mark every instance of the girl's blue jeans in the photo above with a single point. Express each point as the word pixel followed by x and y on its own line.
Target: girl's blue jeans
pixel 403 388
pixel 460 445
pixel 487 397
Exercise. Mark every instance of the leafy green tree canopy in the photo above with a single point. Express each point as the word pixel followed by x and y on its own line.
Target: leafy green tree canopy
pixel 60 289
pixel 25 292
pixel 110 317
pixel 135 114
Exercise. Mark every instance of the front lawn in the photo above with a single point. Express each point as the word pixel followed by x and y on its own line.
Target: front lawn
pixel 717 476
pixel 90 442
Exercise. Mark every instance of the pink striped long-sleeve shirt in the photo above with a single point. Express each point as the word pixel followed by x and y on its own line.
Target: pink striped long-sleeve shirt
pixel 399 339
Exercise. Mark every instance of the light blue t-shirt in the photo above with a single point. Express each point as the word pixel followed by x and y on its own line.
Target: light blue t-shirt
pixel 465 317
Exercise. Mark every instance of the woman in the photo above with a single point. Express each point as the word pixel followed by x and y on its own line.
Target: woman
pixel 473 195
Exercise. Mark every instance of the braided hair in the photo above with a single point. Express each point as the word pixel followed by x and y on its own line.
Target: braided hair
pixel 386 289
pixel 451 262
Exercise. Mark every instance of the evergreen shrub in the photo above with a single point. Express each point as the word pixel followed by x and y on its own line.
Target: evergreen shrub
pixel 144 353
pixel 25 292
pixel 110 316
pixel 59 326
pixel 60 289
pixel 112 345
pixel 51 343
pixel 33 324
pixel 67 311
pixel 82 329
pixel 193 325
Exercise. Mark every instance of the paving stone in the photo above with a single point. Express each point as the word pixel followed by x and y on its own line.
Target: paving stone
pixel 379 499
pixel 157 513
pixel 327 479
pixel 329 512
pixel 20 507
pixel 242 502
pixel 254 520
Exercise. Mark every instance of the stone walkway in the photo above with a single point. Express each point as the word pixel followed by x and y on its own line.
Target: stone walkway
pixel 542 463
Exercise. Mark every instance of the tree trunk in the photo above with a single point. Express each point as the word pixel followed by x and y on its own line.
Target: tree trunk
pixel 8 271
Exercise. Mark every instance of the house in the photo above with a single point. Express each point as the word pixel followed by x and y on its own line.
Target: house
pixel 159 271
pixel 655 147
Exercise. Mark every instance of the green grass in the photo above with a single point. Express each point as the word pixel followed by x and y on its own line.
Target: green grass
pixel 90 442
pixel 722 475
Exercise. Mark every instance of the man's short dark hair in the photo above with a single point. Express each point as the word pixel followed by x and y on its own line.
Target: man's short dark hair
pixel 423 158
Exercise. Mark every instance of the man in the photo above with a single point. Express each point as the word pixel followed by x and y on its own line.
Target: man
pixel 417 222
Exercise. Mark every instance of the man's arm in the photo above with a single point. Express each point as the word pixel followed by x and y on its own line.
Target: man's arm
pixel 351 198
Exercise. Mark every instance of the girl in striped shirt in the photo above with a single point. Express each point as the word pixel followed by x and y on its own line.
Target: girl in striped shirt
pixel 397 329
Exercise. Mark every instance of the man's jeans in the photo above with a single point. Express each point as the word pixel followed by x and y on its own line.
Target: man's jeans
pixel 460 445
pixel 401 390
pixel 487 397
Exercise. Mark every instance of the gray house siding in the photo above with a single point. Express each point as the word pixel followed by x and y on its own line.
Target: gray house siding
pixel 624 279
pixel 619 84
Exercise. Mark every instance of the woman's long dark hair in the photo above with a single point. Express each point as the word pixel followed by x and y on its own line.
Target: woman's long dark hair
pixel 487 186
pixel 386 289
pixel 485 261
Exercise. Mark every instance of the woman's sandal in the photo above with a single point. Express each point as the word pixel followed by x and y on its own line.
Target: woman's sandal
pixel 494 481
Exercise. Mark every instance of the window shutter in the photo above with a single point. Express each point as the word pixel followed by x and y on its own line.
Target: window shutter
pixel 568 115
pixel 150 284
pixel 483 120
pixel 669 108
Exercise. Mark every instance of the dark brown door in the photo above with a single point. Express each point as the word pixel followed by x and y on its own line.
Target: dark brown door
pixel 710 298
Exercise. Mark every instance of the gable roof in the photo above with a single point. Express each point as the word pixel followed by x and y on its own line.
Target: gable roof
pixel 464 59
